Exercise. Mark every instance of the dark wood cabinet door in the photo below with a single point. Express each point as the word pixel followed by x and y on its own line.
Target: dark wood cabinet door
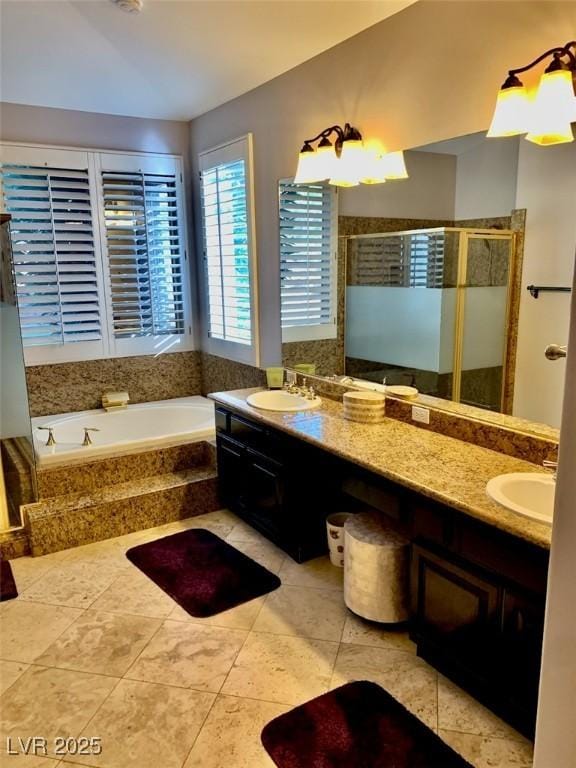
pixel 449 602
pixel 231 473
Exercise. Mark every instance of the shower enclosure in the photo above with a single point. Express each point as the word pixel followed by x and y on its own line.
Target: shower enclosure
pixel 17 464
pixel 432 308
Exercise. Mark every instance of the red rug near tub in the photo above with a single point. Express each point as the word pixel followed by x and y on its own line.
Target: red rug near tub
pixel 356 726
pixel 8 589
pixel 201 572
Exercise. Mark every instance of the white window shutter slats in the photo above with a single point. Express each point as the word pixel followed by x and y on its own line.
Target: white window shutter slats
pixel 54 253
pixel 144 253
pixel 307 254
pixel 226 251
pixel 409 260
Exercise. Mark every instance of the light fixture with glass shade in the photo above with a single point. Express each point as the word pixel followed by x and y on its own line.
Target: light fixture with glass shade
pixel 345 163
pixel 546 116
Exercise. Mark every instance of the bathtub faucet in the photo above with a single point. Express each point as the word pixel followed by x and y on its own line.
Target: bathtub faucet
pixel 51 440
pixel 87 439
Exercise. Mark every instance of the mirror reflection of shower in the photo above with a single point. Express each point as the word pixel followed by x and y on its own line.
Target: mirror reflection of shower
pixel 17 468
pixel 431 308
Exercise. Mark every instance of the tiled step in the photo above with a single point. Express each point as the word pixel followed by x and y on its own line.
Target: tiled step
pixel 72 519
pixel 120 469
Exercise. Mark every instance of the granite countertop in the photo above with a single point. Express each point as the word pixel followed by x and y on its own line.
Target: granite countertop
pixel 442 468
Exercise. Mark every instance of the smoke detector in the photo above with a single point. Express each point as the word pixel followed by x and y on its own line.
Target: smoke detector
pixel 130 6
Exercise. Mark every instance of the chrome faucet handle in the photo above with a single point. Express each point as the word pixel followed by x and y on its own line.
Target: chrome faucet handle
pixel 311 395
pixel 51 440
pixel 87 439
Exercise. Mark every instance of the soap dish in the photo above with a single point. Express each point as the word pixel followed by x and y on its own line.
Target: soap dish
pixel 400 390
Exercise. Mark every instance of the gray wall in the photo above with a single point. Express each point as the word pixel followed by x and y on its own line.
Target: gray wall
pixel 426 74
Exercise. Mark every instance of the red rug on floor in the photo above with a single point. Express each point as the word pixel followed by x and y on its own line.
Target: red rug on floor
pixel 202 573
pixel 8 589
pixel 356 726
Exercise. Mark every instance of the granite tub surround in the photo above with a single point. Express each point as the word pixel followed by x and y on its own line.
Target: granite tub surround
pixel 78 386
pixel 61 522
pixel 442 468
pixel 93 475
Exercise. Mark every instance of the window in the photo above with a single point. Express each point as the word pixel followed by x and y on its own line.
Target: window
pixel 229 250
pixel 308 260
pixel 98 242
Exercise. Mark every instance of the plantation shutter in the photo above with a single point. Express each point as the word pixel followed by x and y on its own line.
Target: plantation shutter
pixel 54 253
pixel 144 249
pixel 229 258
pixel 412 260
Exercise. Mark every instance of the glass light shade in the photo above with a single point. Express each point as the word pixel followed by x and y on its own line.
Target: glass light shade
pixel 553 109
pixel 374 168
pixel 309 169
pixel 511 114
pixel 394 166
pixel 326 161
pixel 350 165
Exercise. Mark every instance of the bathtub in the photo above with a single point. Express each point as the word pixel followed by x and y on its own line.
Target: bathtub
pixel 137 428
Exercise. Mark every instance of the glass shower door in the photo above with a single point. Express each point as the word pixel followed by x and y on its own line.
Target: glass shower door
pixel 483 318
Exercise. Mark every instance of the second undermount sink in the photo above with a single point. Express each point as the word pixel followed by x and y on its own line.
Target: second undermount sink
pixel 277 400
pixel 529 493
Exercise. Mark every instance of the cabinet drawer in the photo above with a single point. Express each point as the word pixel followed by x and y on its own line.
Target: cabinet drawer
pixel 221 419
pixel 432 522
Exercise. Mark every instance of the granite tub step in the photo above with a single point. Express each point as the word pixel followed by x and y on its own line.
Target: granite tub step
pixel 73 519
pixel 116 470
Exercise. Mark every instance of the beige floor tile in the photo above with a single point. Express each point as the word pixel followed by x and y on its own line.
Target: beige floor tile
pixel 28 629
pixel 22 760
pixel 483 752
pixel 146 725
pixel 315 573
pixel 409 679
pixel 74 584
pixel 134 593
pixel 28 570
pixel 241 617
pixel 10 671
pixel 362 632
pixel 457 711
pixel 230 737
pixel 50 703
pixel 317 613
pixel 99 642
pixel 265 553
pixel 288 670
pixel 241 531
pixel 189 655
pixel 109 552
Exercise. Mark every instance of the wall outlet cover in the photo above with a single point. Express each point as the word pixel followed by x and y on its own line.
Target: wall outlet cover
pixel 421 415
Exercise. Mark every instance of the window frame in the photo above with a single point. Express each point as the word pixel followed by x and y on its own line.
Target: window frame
pixel 316 331
pixel 108 346
pixel 240 148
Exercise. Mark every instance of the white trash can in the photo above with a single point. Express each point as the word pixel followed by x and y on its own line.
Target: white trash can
pixel 335 531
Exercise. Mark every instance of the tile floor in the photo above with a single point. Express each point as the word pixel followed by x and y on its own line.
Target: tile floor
pixel 93 648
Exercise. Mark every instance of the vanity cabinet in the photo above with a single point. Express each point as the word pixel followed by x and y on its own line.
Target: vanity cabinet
pixel 282 487
pixel 477 593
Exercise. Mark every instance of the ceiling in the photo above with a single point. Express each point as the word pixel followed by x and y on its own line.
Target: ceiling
pixel 175 60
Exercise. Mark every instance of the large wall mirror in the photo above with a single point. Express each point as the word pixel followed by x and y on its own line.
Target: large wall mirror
pixel 424 281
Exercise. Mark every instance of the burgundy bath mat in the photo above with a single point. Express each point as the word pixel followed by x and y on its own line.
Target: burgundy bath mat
pixel 356 726
pixel 204 574
pixel 8 589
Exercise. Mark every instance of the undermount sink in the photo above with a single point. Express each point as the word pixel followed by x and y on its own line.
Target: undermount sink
pixel 529 493
pixel 277 400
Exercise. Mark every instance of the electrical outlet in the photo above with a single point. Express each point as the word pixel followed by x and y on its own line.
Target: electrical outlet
pixel 420 414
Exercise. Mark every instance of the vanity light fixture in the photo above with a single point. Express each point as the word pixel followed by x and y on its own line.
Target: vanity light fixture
pixel 545 116
pixel 346 161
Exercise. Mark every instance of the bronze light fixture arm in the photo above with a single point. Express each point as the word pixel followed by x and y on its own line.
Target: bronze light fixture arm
pixel 342 135
pixel 557 53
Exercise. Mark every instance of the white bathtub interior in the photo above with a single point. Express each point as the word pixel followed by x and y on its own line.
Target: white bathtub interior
pixel 139 427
